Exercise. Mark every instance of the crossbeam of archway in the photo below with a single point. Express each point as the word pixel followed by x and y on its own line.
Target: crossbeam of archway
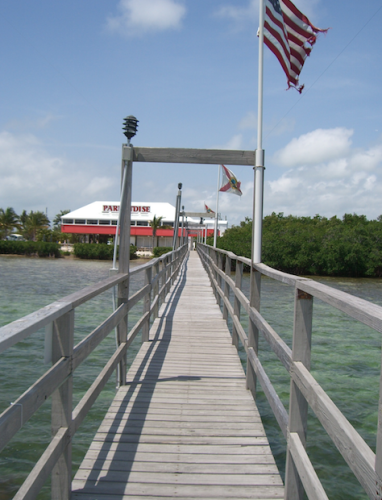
pixel 184 155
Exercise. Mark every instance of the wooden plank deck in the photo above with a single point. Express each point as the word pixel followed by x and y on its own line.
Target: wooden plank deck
pixel 185 426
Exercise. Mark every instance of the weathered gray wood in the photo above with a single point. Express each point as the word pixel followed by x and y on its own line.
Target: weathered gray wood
pixel 82 350
pixel 155 304
pixel 236 302
pixel 352 447
pixel 21 410
pixel 226 287
pixel 307 474
pixel 298 405
pixel 278 408
pixel 368 313
pixel 378 456
pixel 20 329
pixel 44 467
pixel 202 156
pixel 62 347
pixel 253 331
pixel 147 306
pixel 279 347
pixel 185 404
pixel 95 389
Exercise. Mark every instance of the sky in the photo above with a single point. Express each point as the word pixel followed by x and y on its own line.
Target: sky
pixel 188 71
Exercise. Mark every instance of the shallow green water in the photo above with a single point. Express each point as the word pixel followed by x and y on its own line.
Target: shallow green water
pixel 345 361
pixel 25 286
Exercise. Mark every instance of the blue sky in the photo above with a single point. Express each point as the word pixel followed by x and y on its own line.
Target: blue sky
pixel 187 69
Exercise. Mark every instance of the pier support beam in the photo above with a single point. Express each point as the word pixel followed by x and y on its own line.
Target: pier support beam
pixel 124 248
pixel 298 406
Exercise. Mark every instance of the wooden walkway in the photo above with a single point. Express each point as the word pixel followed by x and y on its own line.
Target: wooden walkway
pixel 184 426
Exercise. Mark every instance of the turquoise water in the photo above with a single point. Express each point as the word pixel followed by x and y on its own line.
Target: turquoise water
pixel 345 361
pixel 26 284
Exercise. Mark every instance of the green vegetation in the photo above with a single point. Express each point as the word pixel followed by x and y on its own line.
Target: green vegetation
pixel 313 245
pixel 158 251
pixel 155 225
pixel 100 251
pixel 29 248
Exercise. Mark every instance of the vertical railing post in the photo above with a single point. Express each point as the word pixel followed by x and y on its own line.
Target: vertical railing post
pixel 147 305
pixel 219 278
pixel 253 332
pixel 236 302
pixel 156 290
pixel 162 266
pixel 168 274
pixel 378 453
pixel 213 272
pixel 298 406
pixel 227 271
pixel 124 249
pixel 62 401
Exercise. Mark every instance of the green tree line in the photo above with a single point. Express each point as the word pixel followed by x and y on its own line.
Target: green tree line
pixel 33 226
pixel 351 246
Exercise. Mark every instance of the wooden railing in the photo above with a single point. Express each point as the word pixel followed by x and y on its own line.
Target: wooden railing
pixel 304 389
pixel 57 382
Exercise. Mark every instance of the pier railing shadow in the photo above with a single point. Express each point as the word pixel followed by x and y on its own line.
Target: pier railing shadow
pixel 138 397
pixel 305 392
pixel 57 383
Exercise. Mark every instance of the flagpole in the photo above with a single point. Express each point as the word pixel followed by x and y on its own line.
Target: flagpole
pixel 258 191
pixel 217 209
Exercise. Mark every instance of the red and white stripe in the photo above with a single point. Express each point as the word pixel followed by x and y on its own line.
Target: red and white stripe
pixel 290 35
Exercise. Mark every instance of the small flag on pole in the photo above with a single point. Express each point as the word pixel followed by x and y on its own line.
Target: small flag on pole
pixel 290 35
pixel 229 182
pixel 208 209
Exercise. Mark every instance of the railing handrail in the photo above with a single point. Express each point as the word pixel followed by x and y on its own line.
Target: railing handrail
pixel 66 358
pixel 24 327
pixel 364 463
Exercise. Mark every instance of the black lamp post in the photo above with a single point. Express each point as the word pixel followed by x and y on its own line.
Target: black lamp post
pixel 130 125
pixel 177 211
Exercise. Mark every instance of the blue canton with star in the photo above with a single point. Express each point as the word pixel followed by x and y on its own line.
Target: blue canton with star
pixel 276 5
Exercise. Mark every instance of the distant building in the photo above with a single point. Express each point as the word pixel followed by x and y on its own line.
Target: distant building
pixel 100 218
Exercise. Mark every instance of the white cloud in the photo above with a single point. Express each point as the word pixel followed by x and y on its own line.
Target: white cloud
pixel 235 142
pixel 141 16
pixel 32 179
pixel 315 147
pixel 327 176
pixel 240 14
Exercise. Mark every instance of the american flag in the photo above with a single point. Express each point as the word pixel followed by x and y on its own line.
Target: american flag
pixel 290 36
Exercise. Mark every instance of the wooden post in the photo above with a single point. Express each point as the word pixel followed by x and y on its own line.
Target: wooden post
pixel 124 249
pixel 214 273
pixel 298 406
pixel 236 302
pixel 378 454
pixel 147 305
pixel 219 278
pixel 253 332
pixel 227 270
pixel 156 290
pixel 62 401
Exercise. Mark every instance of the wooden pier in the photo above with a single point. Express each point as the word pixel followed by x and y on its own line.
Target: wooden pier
pixel 184 426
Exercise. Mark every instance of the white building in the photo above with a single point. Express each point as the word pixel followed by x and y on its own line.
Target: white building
pixel 100 218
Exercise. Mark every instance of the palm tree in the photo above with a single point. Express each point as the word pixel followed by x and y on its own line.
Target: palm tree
pixel 32 222
pixel 9 220
pixel 57 219
pixel 155 224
